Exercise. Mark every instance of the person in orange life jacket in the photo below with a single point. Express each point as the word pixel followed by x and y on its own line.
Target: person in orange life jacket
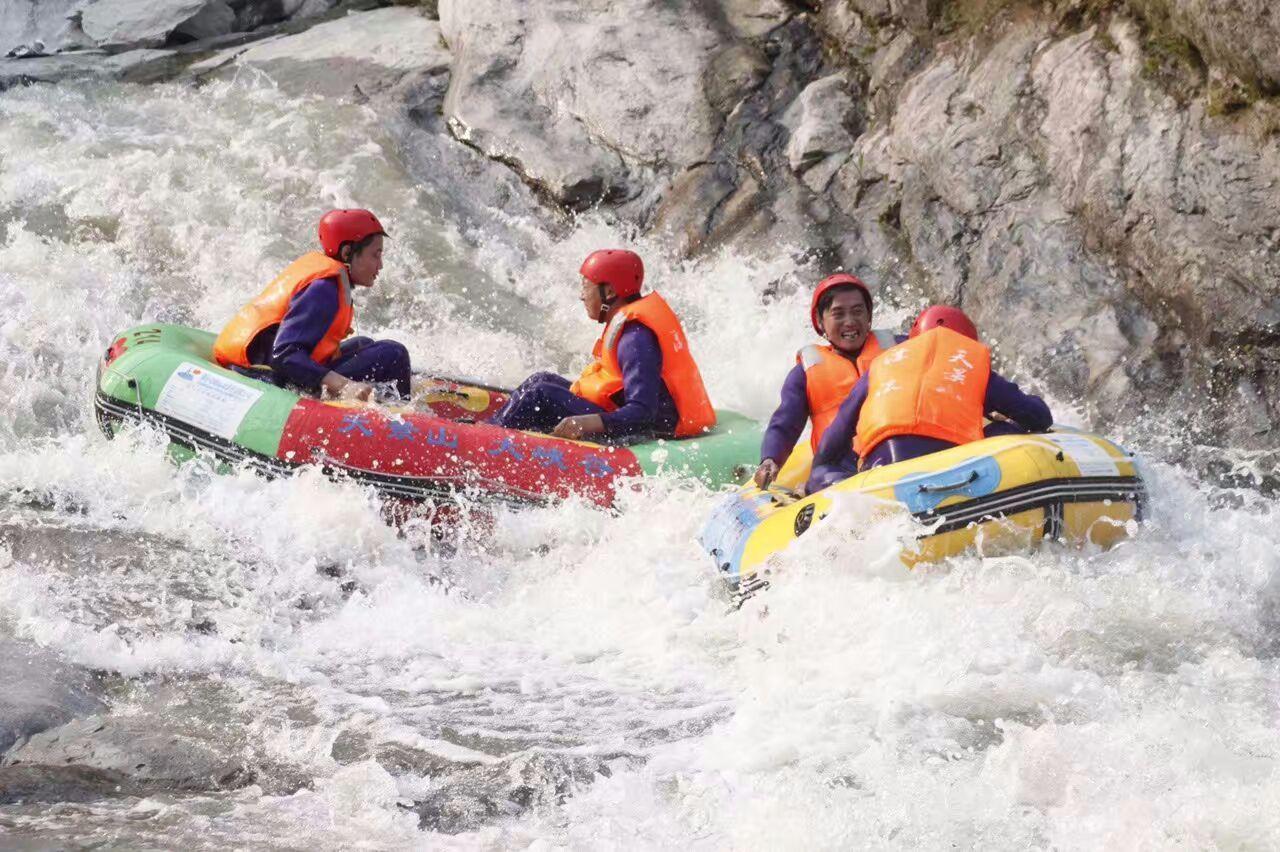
pixel 643 380
pixel 840 311
pixel 923 396
pixel 297 325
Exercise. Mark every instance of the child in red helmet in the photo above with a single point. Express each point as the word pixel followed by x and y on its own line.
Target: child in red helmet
pixel 840 311
pixel 643 380
pixel 299 325
pixel 922 396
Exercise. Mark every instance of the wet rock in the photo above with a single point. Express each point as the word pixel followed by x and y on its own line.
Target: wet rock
pixel 48 27
pixel 484 194
pixel 891 65
pixel 754 18
pixel 151 23
pixel 844 26
pixel 699 207
pixel 351 747
pixel 916 14
pixel 748 193
pixel 589 123
pixel 1190 209
pixel 467 800
pixel 213 20
pixel 251 14
pixel 188 735
pixel 50 69
pixel 39 690
pixel 142 748
pixel 733 72
pixel 134 66
pixel 820 122
pixel 50 784
pixel 983 227
pixel 878 11
pixel 39 27
pixel 859 27
pixel 365 52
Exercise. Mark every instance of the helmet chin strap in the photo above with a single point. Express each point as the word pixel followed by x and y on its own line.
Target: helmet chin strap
pixel 605 304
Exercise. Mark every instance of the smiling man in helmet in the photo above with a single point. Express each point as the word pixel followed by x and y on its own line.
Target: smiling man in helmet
pixel 643 380
pixel 298 325
pixel 840 311
pixel 925 395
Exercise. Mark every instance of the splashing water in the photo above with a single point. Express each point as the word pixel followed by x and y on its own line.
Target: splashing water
pixel 560 676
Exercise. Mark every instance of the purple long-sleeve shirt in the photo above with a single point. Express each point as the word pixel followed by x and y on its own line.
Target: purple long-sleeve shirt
pixel 311 311
pixel 1003 396
pixel 789 418
pixel 646 403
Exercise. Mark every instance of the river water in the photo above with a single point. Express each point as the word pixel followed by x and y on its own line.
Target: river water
pixel 556 676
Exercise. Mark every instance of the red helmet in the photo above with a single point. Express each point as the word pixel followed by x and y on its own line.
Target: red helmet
pixel 840 279
pixel 944 316
pixel 621 269
pixel 347 226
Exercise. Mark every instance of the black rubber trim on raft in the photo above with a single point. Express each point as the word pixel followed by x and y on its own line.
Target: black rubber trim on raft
pixel 1050 495
pixel 107 409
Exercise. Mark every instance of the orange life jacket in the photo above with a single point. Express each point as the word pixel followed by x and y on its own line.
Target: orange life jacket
pixel 829 376
pixel 602 379
pixel 932 385
pixel 270 306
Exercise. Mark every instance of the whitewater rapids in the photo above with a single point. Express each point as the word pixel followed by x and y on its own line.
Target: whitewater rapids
pixel 559 677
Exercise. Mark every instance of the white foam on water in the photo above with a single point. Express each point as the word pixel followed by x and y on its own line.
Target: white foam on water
pixel 1068 699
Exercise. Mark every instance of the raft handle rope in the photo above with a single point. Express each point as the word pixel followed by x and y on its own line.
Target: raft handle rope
pixel 950 486
pixel 132 384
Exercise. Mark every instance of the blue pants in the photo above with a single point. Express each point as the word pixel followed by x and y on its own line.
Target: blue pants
pixel 889 451
pixel 375 361
pixel 542 401
pixel 894 450
pixel 1002 427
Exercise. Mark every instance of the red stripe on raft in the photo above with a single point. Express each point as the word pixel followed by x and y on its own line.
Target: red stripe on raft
pixel 487 458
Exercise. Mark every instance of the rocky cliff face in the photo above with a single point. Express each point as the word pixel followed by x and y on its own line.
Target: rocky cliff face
pixel 1095 181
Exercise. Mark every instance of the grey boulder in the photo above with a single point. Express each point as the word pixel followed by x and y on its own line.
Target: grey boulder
pixel 364 51
pixel 151 23
pixel 589 122
pixel 184 734
pixel 469 798
pixel 820 121
pixel 143 748
pixel 38 690
pixel 39 27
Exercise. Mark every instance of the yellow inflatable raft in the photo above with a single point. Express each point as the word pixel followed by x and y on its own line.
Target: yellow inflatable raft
pixel 995 496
